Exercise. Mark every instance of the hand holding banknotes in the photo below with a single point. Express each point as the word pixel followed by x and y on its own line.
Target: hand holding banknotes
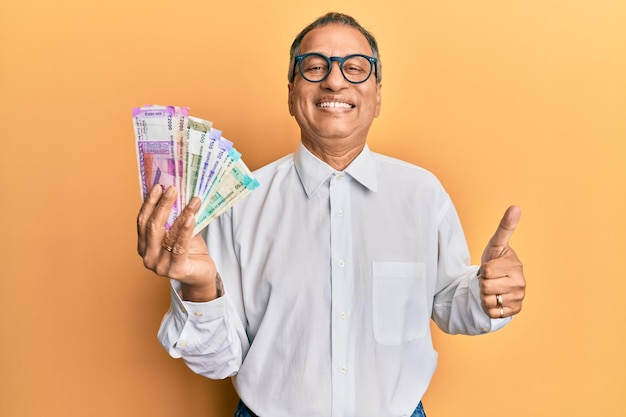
pixel 184 162
pixel 176 253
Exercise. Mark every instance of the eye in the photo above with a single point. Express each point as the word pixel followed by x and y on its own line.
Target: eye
pixel 356 65
pixel 314 64
pixel 353 68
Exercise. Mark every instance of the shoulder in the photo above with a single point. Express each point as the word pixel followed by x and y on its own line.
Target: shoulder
pixel 269 178
pixel 275 168
pixel 411 185
pixel 394 169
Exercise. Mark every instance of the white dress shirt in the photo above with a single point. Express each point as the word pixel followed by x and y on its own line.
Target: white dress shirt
pixel 330 280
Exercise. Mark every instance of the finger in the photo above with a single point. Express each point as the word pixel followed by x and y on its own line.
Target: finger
pixel 511 290
pixel 179 234
pixel 499 242
pixel 489 287
pixel 178 238
pixel 184 235
pixel 499 299
pixel 500 312
pixel 506 296
pixel 506 265
pixel 145 212
pixel 155 227
pixel 510 307
pixel 490 301
pixel 506 227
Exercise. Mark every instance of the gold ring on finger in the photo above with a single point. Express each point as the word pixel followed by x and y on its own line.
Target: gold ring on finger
pixel 167 248
pixel 501 312
pixel 499 300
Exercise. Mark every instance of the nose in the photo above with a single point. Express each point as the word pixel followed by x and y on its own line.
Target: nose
pixel 335 79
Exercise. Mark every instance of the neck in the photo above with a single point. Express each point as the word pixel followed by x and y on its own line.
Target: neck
pixel 336 153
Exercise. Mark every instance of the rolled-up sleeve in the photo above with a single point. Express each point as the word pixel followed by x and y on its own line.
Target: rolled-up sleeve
pixel 204 335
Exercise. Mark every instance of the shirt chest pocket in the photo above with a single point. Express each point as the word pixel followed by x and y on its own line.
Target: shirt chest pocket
pixel 400 305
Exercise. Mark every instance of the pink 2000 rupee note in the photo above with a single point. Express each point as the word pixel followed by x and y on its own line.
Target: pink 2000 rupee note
pixel 157 134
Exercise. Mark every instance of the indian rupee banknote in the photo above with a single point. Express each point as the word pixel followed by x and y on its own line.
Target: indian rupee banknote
pixel 157 133
pixel 189 153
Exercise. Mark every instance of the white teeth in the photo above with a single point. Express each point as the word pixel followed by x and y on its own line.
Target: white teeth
pixel 335 104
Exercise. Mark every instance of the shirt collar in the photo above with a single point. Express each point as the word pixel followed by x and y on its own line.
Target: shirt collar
pixel 313 172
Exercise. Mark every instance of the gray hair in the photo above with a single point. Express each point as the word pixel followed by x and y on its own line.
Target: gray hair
pixel 327 19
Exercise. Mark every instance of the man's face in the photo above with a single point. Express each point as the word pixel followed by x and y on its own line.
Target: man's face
pixel 334 108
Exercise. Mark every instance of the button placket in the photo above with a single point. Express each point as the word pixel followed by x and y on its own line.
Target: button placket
pixel 342 282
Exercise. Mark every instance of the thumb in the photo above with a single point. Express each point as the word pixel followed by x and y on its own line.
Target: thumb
pixel 499 242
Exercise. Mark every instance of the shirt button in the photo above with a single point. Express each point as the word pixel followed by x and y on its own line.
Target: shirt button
pixel 340 213
pixel 181 344
pixel 342 263
pixel 344 369
pixel 343 315
pixel 197 313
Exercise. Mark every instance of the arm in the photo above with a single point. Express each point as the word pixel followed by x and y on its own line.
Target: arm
pixel 201 325
pixel 208 336
pixel 465 303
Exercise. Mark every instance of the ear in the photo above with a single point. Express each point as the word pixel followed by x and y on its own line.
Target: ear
pixel 290 98
pixel 379 86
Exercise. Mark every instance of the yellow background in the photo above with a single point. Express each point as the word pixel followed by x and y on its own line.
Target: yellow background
pixel 506 102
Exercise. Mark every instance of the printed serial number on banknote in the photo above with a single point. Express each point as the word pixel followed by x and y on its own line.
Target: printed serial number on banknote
pixel 176 149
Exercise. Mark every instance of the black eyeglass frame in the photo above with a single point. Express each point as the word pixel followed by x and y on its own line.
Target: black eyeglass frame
pixel 298 62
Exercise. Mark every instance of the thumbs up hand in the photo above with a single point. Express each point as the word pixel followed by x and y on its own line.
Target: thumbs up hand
pixel 501 277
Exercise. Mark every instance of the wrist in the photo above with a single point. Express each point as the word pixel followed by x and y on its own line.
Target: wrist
pixel 203 293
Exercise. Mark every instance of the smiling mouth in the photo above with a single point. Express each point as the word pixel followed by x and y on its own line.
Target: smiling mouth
pixel 335 105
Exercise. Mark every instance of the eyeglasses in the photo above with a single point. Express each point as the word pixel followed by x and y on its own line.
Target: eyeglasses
pixel 315 67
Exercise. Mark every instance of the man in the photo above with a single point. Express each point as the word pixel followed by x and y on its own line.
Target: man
pixel 334 266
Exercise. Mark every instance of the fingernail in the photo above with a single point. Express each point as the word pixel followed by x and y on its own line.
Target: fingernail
pixel 190 220
pixel 194 203
pixel 156 190
pixel 170 191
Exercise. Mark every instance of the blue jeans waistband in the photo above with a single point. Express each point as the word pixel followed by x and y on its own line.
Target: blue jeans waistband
pixel 244 411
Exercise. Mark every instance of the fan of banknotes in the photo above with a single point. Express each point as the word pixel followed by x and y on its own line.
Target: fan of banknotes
pixel 176 149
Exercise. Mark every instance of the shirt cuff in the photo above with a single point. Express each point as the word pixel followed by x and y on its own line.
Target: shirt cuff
pixel 196 311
